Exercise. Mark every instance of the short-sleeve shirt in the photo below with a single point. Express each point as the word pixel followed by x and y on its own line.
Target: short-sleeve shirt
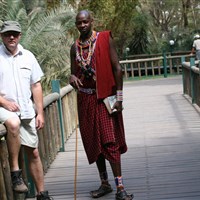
pixel 196 44
pixel 17 74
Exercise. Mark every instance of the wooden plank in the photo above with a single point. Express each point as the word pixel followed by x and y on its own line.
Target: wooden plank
pixel 163 159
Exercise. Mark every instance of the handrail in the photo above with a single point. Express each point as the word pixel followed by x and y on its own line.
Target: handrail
pixel 141 60
pixel 50 98
pixel 194 68
pixel 65 90
pixel 191 80
pixel 166 64
pixel 49 137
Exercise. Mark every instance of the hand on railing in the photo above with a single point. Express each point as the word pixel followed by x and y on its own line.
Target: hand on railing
pixel 191 54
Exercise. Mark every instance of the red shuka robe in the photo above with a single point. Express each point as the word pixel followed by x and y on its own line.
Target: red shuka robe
pixel 101 132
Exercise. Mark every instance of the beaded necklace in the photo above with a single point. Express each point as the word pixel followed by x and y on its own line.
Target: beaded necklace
pixel 85 63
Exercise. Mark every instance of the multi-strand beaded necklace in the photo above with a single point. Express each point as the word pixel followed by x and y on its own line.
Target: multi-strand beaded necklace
pixel 85 63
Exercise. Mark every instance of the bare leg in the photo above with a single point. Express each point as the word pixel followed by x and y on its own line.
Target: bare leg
pixel 36 168
pixel 121 193
pixel 116 169
pixel 13 142
pixel 105 187
pixel 36 171
pixel 101 165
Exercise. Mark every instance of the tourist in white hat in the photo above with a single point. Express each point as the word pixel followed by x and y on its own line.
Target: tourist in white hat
pixel 196 46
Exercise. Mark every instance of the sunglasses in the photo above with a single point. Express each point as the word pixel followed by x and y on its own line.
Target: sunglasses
pixel 11 33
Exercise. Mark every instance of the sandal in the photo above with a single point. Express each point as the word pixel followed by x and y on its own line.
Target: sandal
pixel 103 190
pixel 122 195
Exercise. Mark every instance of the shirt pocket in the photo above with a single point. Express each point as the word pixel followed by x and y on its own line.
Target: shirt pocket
pixel 25 72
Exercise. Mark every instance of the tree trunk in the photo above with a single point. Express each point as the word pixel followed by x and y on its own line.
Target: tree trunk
pixel 186 6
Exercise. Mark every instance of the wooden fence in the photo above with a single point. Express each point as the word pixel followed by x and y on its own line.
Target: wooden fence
pixel 161 65
pixel 61 120
pixel 191 80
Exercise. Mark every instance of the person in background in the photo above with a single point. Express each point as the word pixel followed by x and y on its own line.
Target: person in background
pixel 196 46
pixel 20 76
pixel 96 74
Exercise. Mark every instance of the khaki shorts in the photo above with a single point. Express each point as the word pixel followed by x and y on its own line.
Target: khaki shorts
pixel 28 132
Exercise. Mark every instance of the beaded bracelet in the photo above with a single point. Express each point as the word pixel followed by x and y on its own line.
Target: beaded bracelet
pixel 119 95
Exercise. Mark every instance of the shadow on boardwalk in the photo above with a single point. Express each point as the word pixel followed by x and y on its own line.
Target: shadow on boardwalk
pixel 163 136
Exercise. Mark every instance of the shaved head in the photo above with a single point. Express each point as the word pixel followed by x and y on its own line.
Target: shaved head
pixel 84 22
pixel 84 13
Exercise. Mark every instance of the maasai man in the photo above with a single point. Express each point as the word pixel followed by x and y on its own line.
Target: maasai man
pixel 96 74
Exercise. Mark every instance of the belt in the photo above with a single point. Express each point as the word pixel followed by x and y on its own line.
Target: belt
pixel 87 90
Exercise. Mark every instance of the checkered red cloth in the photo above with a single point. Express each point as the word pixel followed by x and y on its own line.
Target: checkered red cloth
pixel 100 131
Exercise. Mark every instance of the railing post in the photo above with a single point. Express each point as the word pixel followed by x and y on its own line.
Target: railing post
pixel 56 88
pixel 183 74
pixel 192 63
pixel 6 191
pixel 165 64
pixel 31 185
pixel 182 59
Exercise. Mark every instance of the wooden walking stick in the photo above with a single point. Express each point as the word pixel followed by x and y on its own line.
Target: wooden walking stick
pixel 76 157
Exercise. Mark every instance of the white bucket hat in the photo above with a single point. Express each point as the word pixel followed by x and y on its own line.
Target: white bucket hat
pixel 196 36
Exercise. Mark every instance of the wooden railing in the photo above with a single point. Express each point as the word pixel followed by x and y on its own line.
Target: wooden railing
pixel 191 80
pixel 61 120
pixel 161 65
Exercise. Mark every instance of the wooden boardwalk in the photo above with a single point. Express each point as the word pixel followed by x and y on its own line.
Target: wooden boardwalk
pixel 163 136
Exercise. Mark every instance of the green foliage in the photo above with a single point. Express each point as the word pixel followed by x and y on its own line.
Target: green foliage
pixel 12 10
pixel 139 42
pixel 53 4
pixel 171 20
pixel 47 35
